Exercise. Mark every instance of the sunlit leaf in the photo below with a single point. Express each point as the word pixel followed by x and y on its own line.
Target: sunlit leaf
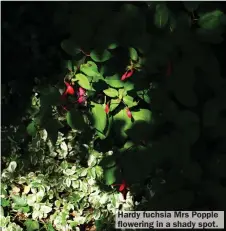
pixel 89 68
pixel 83 81
pixel 114 81
pixel 111 92
pixel 31 129
pixel 110 175
pixel 31 225
pixel 100 56
pixel 12 166
pixel 99 117
pixel 133 54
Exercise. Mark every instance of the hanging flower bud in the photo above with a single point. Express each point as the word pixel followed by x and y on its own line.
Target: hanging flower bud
pixel 107 109
pixel 127 74
pixel 128 112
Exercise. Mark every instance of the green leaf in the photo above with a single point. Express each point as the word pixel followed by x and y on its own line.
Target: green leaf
pixel 31 225
pixel 211 20
pixel 31 129
pixel 4 202
pixel 70 65
pixel 46 209
pixel 12 166
pixel 75 119
pixel 100 56
pixel 110 175
pixel 19 201
pixel 122 93
pixel 99 117
pixel 89 68
pixel 111 92
pixel 191 6
pixel 50 227
pixel 143 115
pixel 129 101
pixel 69 47
pixel 114 81
pixel 161 15
pixel 114 104
pixel 108 162
pixel 99 171
pixel 112 46
pixel 121 124
pixel 144 95
pixel 83 81
pixel 133 54
pixel 128 85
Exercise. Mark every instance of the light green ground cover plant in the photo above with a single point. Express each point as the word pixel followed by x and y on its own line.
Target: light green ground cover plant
pixel 126 122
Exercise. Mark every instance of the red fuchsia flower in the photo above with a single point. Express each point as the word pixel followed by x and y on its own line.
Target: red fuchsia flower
pixel 107 109
pixel 81 99
pixel 123 188
pixel 81 91
pixel 81 95
pixel 128 112
pixel 169 69
pixel 127 74
pixel 69 90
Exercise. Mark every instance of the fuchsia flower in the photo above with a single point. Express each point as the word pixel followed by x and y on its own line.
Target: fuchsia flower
pixel 81 95
pixel 128 112
pixel 107 109
pixel 123 188
pixel 69 90
pixel 127 74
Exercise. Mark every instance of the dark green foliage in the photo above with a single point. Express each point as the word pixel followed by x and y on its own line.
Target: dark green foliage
pixel 95 94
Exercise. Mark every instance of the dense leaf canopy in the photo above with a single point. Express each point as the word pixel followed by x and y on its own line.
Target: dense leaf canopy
pixel 110 106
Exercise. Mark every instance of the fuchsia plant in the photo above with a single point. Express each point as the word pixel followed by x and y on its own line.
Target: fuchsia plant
pixel 123 188
pixel 127 74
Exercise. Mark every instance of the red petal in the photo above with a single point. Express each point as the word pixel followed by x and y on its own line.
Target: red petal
pixel 81 91
pixel 81 99
pixel 107 108
pixel 122 187
pixel 126 75
pixel 129 74
pixel 67 84
pixel 70 90
pixel 128 112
